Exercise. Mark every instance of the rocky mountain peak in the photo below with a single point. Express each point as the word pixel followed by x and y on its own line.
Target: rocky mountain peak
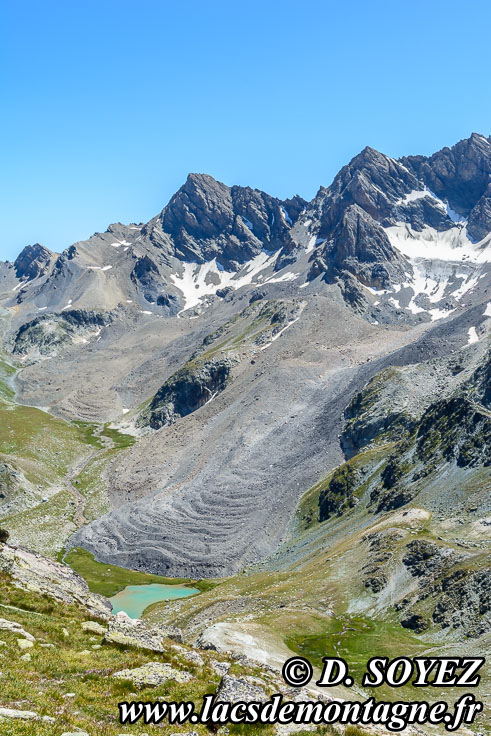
pixel 363 226
pixel 32 261
pixel 207 219
pixel 201 209
pixel 459 175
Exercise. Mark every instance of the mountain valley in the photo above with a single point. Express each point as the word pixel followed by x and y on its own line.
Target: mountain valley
pixel 287 403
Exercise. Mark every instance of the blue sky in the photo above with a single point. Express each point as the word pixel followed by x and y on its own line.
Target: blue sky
pixel 108 104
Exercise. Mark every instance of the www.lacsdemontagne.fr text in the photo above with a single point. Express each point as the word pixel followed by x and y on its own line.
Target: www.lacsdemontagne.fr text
pixel 395 716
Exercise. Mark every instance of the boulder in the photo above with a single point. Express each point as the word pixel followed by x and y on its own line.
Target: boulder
pixel 93 627
pixel 234 689
pixel 133 633
pixel 15 628
pixel 152 674
pixel 221 668
pixel 22 715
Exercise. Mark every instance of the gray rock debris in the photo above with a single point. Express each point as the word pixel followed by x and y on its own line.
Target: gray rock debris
pixel 221 668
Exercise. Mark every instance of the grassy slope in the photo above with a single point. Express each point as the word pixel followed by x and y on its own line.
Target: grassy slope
pixel 110 579
pixel 44 449
pixel 70 665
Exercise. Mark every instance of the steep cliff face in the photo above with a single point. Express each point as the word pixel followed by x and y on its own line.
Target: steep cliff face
pixel 207 219
pixel 33 261
pixel 187 391
pixel 459 175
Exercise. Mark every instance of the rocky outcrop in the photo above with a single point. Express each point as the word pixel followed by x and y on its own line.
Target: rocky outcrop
pixel 153 674
pixel 10 480
pixel 416 622
pixel 146 276
pixel 360 246
pixel 479 222
pixel 32 262
pixel 368 418
pixel 339 494
pixel 186 391
pixel 47 333
pixel 381 547
pixel 239 689
pixel 459 175
pixel 465 602
pixel 455 429
pixel 206 219
pixel 15 628
pixel 421 557
pixel 129 632
pixel 36 573
pixel 451 593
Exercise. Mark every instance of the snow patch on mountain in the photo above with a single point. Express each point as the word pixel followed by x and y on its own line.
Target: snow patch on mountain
pixel 447 245
pixel 416 194
pixel 473 336
pixel 444 264
pixel 204 279
pixel 286 216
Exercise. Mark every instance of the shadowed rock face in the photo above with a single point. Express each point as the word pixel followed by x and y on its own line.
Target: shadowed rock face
pixel 479 222
pixel 207 219
pixel 361 246
pixel 186 392
pixel 459 174
pixel 146 276
pixel 32 262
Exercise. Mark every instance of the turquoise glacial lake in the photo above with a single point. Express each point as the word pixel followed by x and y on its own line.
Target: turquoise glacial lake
pixel 135 598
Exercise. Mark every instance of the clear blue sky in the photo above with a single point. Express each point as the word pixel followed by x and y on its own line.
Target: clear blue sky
pixel 108 104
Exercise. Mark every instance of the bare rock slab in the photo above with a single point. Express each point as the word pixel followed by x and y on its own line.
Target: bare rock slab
pixel 152 674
